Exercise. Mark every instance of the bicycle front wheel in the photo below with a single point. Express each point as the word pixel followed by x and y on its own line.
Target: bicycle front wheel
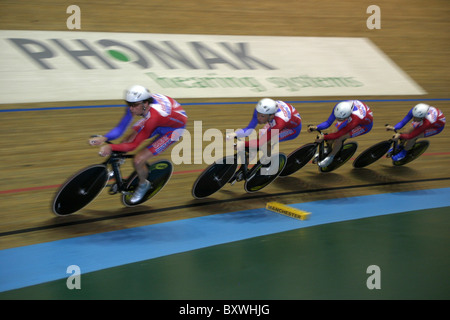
pixel 80 190
pixel 372 154
pixel 265 175
pixel 159 174
pixel 298 159
pixel 214 177
pixel 414 153
pixel 346 152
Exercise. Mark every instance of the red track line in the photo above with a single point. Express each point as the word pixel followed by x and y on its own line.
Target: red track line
pixel 28 189
pixel 177 172
pixel 58 185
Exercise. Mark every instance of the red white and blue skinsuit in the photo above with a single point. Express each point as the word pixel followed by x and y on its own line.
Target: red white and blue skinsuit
pixel 360 122
pixel 164 118
pixel 432 124
pixel 287 121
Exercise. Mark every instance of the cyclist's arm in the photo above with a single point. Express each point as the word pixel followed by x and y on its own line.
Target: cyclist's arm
pixel 345 128
pixel 120 128
pixel 405 120
pixel 326 124
pixel 240 133
pixel 271 133
pixel 414 133
pixel 141 136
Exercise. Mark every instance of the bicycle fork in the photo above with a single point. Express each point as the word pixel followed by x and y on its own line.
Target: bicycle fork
pixel 119 185
pixel 395 149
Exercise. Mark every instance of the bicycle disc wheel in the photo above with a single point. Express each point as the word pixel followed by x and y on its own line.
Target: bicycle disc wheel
pixel 347 151
pixel 299 158
pixel 80 190
pixel 372 154
pixel 414 153
pixel 214 177
pixel 159 174
pixel 263 176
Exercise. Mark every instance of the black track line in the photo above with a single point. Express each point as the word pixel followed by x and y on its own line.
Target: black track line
pixel 211 202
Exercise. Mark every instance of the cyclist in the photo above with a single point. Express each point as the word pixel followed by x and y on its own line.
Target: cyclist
pixel 163 118
pixel 280 119
pixel 353 118
pixel 427 121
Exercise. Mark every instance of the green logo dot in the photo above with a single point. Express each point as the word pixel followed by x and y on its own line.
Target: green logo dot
pixel 118 55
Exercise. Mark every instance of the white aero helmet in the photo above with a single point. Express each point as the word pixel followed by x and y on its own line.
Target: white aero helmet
pixel 267 106
pixel 343 109
pixel 420 110
pixel 137 93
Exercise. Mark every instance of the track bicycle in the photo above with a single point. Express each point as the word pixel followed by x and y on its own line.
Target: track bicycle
pixel 301 156
pixel 85 185
pixel 378 150
pixel 224 170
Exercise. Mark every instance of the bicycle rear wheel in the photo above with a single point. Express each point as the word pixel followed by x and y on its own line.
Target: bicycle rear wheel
pixel 372 154
pixel 262 177
pixel 298 159
pixel 214 177
pixel 159 174
pixel 79 190
pixel 346 152
pixel 414 153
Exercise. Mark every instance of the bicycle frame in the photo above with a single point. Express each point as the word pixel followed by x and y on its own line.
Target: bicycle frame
pixel 394 145
pixel 321 147
pixel 115 161
pixel 310 150
pixel 247 173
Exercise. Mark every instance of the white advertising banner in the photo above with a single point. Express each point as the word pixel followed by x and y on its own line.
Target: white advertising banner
pixel 41 66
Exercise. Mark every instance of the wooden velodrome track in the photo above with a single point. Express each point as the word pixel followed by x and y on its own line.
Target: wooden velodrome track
pixel 40 149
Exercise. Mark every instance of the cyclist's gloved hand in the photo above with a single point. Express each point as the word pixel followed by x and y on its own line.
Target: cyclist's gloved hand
pixel 396 136
pixel 97 140
pixel 319 138
pixel 389 128
pixel 105 150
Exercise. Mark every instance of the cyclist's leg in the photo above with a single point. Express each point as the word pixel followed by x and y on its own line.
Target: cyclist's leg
pixel 427 133
pixel 406 145
pixel 271 160
pixel 411 142
pixel 242 159
pixel 165 139
pixel 290 134
pixel 140 159
pixel 337 143
pixel 326 150
pixel 360 130
pixel 333 145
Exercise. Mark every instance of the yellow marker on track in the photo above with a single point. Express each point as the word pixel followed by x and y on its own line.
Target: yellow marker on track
pixel 286 210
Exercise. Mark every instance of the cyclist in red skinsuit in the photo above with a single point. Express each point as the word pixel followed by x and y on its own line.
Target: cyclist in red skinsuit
pixel 278 115
pixel 162 116
pixel 281 121
pixel 427 121
pixel 354 118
